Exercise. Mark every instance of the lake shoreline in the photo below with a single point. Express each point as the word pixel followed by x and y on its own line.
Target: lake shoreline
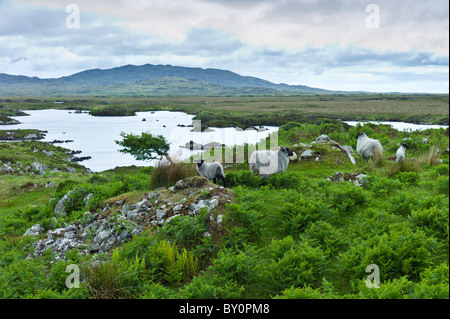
pixel 96 136
pixel 245 111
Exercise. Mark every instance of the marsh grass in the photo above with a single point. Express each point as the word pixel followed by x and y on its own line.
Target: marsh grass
pixel 167 173
pixel 107 281
pixel 391 168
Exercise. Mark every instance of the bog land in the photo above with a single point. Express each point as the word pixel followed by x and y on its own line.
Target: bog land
pixel 164 232
pixel 256 110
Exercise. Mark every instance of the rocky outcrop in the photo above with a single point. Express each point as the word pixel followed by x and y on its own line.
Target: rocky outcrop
pixel 191 145
pixel 324 139
pixel 306 154
pixel 41 168
pixel 35 230
pixel 118 221
pixel 356 178
pixel 13 135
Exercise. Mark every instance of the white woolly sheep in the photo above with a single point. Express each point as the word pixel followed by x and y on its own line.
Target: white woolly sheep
pixel 368 147
pixel 212 171
pixel 401 152
pixel 266 163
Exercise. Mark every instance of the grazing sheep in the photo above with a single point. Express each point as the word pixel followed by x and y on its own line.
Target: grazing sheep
pixel 266 163
pixel 367 147
pixel 212 171
pixel 401 152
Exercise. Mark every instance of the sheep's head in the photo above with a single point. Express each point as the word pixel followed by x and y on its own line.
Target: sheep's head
pixel 405 146
pixel 286 151
pixel 199 162
pixel 360 134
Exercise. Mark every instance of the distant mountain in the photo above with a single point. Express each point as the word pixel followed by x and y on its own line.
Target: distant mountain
pixel 148 80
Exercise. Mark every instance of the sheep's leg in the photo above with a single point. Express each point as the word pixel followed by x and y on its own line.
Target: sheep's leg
pixel 214 180
pixel 223 180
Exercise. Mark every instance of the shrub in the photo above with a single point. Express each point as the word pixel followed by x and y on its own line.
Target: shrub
pixel 185 230
pixel 403 202
pixel 76 200
pixel 152 290
pixel 243 177
pixel 293 263
pixel 238 266
pixel 398 288
pixel 434 283
pixel 346 196
pixel 163 261
pixel 112 110
pixel 22 278
pixel 383 186
pixel 434 221
pixel 248 225
pixel 295 216
pixel 369 223
pixel 441 169
pixel 209 286
pixel 171 265
pixel 409 178
pixel 398 253
pixel 328 236
pixel 288 180
pixel 300 293
pixel 442 185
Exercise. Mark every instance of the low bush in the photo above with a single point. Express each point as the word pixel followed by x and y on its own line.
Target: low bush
pixel 243 177
pixel 398 253
pixel 186 230
pixel 292 263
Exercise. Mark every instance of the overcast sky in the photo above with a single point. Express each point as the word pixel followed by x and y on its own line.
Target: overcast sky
pixel 392 45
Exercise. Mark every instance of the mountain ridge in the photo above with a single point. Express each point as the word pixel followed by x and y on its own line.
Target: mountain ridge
pixel 106 81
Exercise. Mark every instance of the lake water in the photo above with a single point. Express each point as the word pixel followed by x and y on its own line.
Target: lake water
pixel 401 126
pixel 95 136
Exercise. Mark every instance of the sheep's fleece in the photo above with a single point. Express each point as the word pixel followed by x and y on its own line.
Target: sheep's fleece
pixel 212 170
pixel 401 152
pixel 266 163
pixel 367 147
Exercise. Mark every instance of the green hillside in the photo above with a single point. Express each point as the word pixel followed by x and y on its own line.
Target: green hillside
pixel 147 80
pixel 163 232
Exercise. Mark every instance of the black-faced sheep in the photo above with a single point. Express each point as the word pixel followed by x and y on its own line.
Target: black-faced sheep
pixel 401 152
pixel 266 163
pixel 368 147
pixel 211 171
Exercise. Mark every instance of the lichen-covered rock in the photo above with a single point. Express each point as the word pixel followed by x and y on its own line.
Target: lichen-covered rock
pixel 356 178
pixel 323 139
pixel 34 230
pixel 118 221
pixel 306 154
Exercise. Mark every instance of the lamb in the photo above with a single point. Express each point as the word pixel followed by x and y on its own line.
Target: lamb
pixel 266 163
pixel 212 171
pixel 368 147
pixel 401 152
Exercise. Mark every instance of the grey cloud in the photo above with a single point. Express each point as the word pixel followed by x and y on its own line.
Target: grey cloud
pixel 239 3
pixel 319 60
pixel 211 41
pixel 354 56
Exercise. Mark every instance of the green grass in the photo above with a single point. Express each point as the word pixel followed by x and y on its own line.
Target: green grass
pixel 295 235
